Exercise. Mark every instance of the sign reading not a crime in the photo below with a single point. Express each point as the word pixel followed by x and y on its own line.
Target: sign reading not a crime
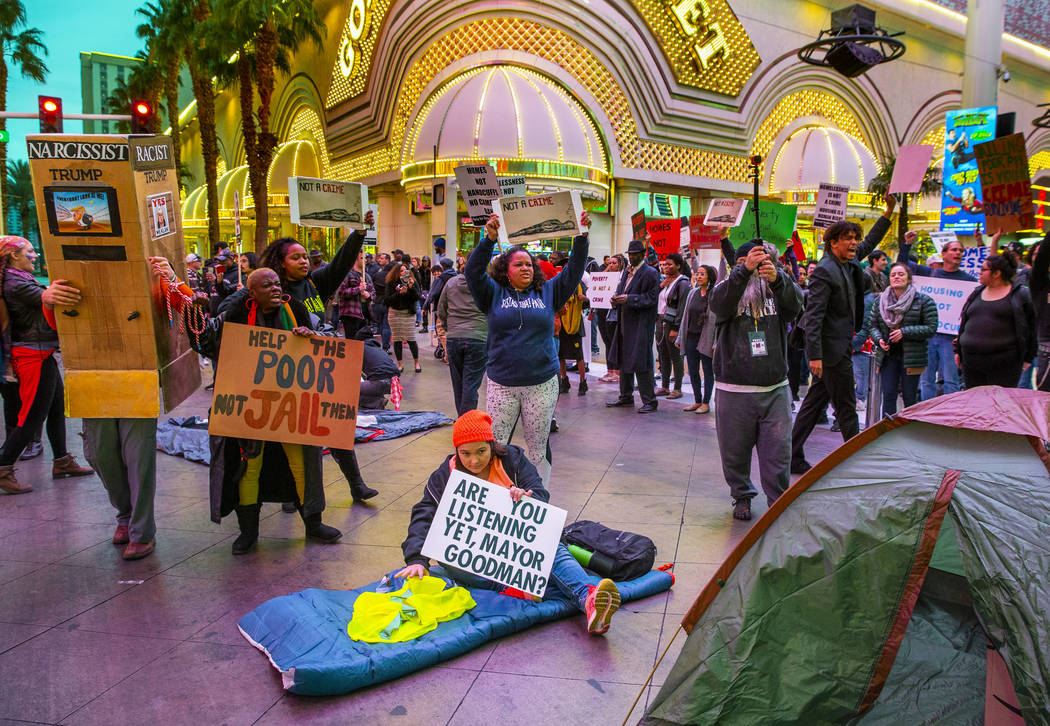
pixel 479 529
pixel 326 202
pixel 272 385
pixel 603 287
pixel 950 296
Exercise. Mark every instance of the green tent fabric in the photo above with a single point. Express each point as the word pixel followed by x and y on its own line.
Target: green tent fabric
pixel 868 593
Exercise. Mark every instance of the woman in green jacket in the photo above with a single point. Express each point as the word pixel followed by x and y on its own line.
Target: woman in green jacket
pixel 902 321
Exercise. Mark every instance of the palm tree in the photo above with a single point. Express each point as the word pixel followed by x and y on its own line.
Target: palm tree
pixel 142 83
pixel 271 31
pixel 20 198
pixel 880 184
pixel 24 47
pixel 166 51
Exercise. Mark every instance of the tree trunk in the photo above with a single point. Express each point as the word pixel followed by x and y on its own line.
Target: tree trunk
pixel 171 96
pixel 256 170
pixel 3 147
pixel 265 58
pixel 204 93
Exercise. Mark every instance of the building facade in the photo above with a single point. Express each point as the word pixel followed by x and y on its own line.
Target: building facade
pixel 639 104
pixel 99 75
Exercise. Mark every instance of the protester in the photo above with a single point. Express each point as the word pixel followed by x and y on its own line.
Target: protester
pixel 379 310
pixel 606 328
pixel 696 337
pixel 522 360
pixel 467 332
pixel 997 332
pixel 673 290
pixel 876 271
pixel 834 312
pixel 569 325
pixel 478 452
pixel 317 260
pixel 355 295
pixel 195 273
pixel 902 321
pixel 402 295
pixel 752 308
pixel 940 356
pixel 634 314
pixel 424 274
pixel 31 341
pixel 288 259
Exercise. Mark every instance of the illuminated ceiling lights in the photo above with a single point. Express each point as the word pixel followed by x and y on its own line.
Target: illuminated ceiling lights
pixel 854 44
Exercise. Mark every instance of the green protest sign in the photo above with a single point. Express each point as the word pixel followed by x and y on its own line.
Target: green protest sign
pixel 777 225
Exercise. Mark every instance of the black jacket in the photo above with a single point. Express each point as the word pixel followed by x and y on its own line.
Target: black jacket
pixel 437 286
pixel 28 326
pixel 402 300
pixel 831 317
pixel 518 468
pixel 1024 321
pixel 632 346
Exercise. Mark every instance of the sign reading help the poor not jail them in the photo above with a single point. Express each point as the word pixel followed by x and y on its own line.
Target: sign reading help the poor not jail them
pixel 272 385
pixel 479 529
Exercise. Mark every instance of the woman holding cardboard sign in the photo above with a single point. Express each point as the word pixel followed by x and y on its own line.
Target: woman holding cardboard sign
pixel 523 357
pixel 479 454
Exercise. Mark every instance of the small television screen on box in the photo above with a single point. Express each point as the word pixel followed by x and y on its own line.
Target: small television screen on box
pixel 82 211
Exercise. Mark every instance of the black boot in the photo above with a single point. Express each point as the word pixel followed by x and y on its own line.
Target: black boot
pixel 564 386
pixel 248 521
pixel 361 491
pixel 315 529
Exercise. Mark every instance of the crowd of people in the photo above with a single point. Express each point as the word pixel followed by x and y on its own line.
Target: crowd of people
pixel 756 331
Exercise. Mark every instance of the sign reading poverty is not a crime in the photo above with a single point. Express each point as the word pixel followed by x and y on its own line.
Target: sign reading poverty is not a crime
pixel 479 529
pixel 950 296
pixel 327 202
pixel 272 385
pixel 602 289
pixel 541 216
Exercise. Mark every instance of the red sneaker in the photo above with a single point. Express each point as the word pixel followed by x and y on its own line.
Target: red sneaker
pixel 602 601
pixel 121 535
pixel 138 550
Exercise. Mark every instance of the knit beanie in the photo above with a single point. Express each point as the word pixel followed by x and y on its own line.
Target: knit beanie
pixel 470 427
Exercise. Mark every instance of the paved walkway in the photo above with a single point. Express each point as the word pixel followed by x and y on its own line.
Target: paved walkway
pixel 86 638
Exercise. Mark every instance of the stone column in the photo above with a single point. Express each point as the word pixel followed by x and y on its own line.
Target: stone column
pixel 984 52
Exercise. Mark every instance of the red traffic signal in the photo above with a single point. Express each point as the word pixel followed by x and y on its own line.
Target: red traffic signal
pixel 49 109
pixel 141 117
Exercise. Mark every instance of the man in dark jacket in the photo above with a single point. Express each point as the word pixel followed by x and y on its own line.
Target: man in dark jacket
pixel 752 308
pixel 379 310
pixel 634 306
pixel 834 312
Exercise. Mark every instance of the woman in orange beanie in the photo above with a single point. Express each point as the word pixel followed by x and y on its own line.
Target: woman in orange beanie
pixel 477 453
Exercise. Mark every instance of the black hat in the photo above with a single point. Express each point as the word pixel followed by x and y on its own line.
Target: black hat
pixel 745 249
pixel 635 247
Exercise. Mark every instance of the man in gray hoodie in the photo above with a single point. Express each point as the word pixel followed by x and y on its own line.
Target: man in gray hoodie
pixel 466 337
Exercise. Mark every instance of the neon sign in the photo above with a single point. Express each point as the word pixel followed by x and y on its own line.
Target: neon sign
pixel 694 20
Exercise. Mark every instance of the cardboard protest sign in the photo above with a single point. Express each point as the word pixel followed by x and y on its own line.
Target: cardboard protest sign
pixel 326 202
pixel 664 235
pixel 831 205
pixel 603 287
pixel 702 236
pixel 725 212
pixel 910 168
pixel 512 186
pixel 638 225
pixel 939 239
pixel 778 224
pixel 972 259
pixel 961 191
pixel 950 295
pixel 272 385
pixel 540 216
pixel 1003 164
pixel 477 528
pixel 478 185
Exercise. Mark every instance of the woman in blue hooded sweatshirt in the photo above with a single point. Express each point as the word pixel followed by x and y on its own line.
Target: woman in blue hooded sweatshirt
pixel 522 349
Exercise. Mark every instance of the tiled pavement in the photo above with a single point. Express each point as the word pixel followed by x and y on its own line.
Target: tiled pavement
pixel 86 638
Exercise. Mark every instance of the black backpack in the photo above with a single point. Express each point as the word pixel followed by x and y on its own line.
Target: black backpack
pixel 618 555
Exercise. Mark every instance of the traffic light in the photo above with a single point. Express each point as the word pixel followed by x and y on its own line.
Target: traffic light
pixel 141 117
pixel 49 108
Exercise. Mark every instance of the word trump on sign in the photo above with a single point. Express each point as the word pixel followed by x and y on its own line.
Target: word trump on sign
pixel 272 385
pixel 479 529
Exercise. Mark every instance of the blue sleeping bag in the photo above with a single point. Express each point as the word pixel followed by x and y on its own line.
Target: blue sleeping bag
pixel 304 634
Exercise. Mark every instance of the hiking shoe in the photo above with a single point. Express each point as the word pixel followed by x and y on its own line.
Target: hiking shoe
pixel 10 484
pixel 564 386
pixel 67 466
pixel 583 388
pixel 742 509
pixel 603 600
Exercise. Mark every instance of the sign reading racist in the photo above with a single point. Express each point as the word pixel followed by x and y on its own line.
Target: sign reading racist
pixel 603 287
pixel 950 296
pixel 831 205
pixel 1003 165
pixel 327 202
pixel 272 385
pixel 479 529
pixel 478 185
pixel 541 216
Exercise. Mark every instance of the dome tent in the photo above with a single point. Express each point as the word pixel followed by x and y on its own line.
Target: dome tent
pixel 868 592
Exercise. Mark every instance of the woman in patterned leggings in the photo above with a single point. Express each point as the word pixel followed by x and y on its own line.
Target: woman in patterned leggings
pixel 523 359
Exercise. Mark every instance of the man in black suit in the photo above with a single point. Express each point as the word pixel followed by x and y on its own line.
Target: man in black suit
pixel 834 311
pixel 634 306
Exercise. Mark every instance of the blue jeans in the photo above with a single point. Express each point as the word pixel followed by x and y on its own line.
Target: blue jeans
pixel 568 577
pixel 379 312
pixel 939 357
pixel 695 360
pixel 861 373
pixel 895 379
pixel 467 359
